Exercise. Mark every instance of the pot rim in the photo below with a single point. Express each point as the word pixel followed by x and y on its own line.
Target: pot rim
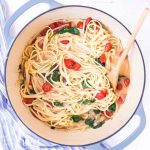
pixel 92 8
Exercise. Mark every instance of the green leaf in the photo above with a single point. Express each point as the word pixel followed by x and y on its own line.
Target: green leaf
pixel 56 75
pixel 99 124
pixel 32 91
pixel 96 111
pixel 89 122
pixel 76 118
pixel 97 61
pixel 112 107
pixel 58 104
pixel 87 102
pixel 72 30
pixel 85 84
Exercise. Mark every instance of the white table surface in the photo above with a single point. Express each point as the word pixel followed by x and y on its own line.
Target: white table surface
pixel 127 12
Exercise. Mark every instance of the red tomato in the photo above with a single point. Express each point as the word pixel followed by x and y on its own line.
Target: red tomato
pixel 108 113
pixel 87 21
pixel 27 100
pixel 64 41
pixel 71 64
pixel 108 47
pixel 43 32
pixel 126 81
pixel 102 58
pixel 119 86
pixel 52 26
pixel 58 24
pixel 76 66
pixel 30 83
pixel 80 25
pixel 102 94
pixel 46 87
pixel 40 43
pixel 69 23
pixel 120 101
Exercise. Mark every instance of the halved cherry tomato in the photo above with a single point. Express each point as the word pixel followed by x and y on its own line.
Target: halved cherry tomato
pixel 108 47
pixel 40 43
pixel 43 32
pixel 102 94
pixel 27 100
pixel 52 26
pixel 80 25
pixel 76 66
pixel 71 64
pixel 46 87
pixel 64 41
pixel 108 113
pixel 119 86
pixel 102 58
pixel 58 24
pixel 69 23
pixel 120 101
pixel 87 21
pixel 126 81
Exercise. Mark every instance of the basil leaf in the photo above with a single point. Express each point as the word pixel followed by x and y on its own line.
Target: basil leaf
pixel 87 102
pixel 72 30
pixel 112 107
pixel 76 118
pixel 99 124
pixel 96 111
pixel 85 84
pixel 89 122
pixel 58 104
pixel 97 61
pixel 32 91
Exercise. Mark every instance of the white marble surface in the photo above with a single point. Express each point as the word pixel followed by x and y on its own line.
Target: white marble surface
pixel 127 12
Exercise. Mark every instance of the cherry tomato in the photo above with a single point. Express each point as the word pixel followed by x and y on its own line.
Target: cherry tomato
pixel 108 47
pixel 80 25
pixel 46 87
pixel 27 100
pixel 40 43
pixel 108 113
pixel 71 64
pixel 126 81
pixel 43 32
pixel 119 86
pixel 52 26
pixel 102 58
pixel 102 94
pixel 87 21
pixel 76 66
pixel 58 24
pixel 64 41
pixel 69 23
pixel 120 101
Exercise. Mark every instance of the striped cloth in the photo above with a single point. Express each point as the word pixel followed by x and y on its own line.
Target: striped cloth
pixel 15 136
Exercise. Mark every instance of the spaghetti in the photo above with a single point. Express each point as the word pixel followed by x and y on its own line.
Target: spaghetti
pixel 63 74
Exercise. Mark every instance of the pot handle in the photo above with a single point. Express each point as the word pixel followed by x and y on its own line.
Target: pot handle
pixel 129 139
pixel 19 12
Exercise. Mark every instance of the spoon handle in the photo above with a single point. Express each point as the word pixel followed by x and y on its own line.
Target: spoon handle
pixel 133 35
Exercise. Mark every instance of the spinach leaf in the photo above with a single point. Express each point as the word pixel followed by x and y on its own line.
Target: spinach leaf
pixel 89 122
pixel 76 118
pixel 56 75
pixel 99 124
pixel 96 111
pixel 72 30
pixel 87 102
pixel 97 61
pixel 58 104
pixel 112 107
pixel 85 84
pixel 32 91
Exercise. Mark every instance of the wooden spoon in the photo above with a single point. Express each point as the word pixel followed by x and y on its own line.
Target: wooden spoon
pixel 113 74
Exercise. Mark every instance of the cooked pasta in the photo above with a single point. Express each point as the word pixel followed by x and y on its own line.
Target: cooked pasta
pixel 63 74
